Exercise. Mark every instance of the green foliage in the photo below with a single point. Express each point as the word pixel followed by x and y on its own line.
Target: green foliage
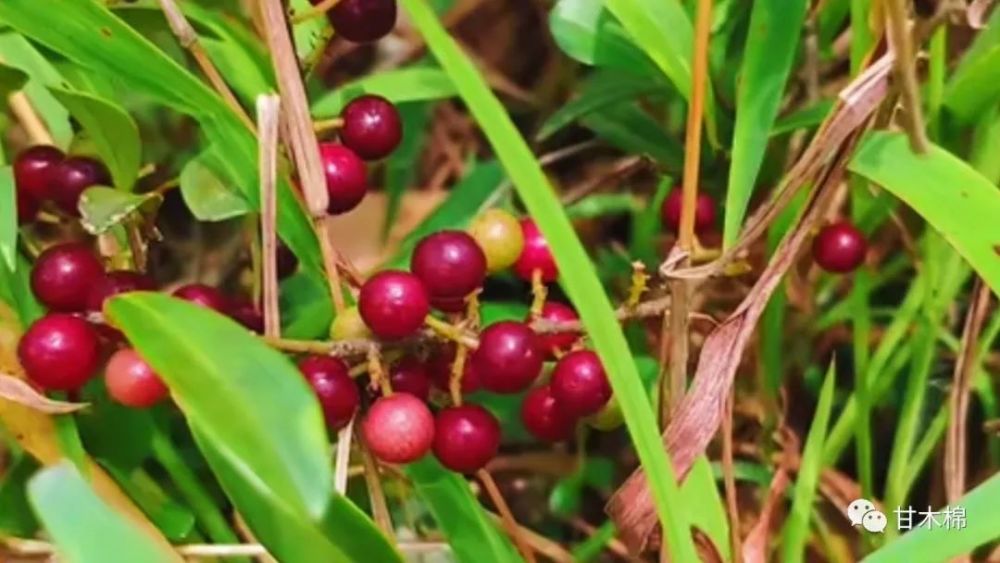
pixel 102 208
pixel 409 84
pixel 8 218
pixel 207 192
pixel 586 31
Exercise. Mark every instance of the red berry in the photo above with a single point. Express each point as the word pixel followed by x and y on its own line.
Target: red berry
pixel 579 383
pixel 346 177
pixel 449 305
pixel 63 275
pixel 555 312
pixel 466 438
pixel 286 261
pixel 247 314
pixel 398 428
pixel 372 127
pixel 115 283
pixel 71 177
pixel 839 248
pixel 544 417
pixel 704 211
pixel 440 365
pixel 204 296
pixel 27 208
pixel 393 304
pixel 535 255
pixel 450 264
pixel 131 381
pixel 331 380
pixel 409 375
pixel 32 169
pixel 363 21
pixel 59 352
pixel 509 357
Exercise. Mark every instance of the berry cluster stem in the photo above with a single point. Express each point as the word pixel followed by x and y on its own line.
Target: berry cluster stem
pixel 511 525
pixel 540 293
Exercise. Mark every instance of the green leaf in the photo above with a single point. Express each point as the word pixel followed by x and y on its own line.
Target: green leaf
pixel 222 376
pixel 585 31
pixel 949 194
pixel 11 80
pixel 16 517
pixel 647 224
pixel 102 208
pixel 175 521
pixel 775 26
pixel 599 205
pixel 8 217
pixel 208 193
pixel 83 526
pixel 309 35
pixel 805 118
pixel 582 286
pixel 699 489
pixel 409 84
pixel 112 131
pixel 15 290
pixel 599 91
pixel 18 53
pixel 632 130
pixel 402 165
pixel 473 538
pixel 796 529
pixel 306 309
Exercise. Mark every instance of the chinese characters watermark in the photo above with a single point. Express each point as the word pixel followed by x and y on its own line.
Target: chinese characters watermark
pixel 863 513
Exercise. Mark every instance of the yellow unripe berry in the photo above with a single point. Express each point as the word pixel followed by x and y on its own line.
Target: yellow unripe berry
pixel 499 235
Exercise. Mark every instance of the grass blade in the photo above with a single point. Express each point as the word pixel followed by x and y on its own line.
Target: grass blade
pixel 8 218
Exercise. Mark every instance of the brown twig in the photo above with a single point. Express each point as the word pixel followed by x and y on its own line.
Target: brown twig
pixel 38 132
pixel 341 464
pixel 729 481
pixel 513 529
pixel 906 72
pixel 268 118
pixel 380 508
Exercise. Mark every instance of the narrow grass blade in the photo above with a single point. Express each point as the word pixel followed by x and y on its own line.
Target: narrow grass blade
pixel 411 84
pixel 8 218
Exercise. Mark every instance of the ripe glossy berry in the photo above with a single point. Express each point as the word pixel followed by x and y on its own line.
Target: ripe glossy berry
pixel 839 248
pixel 71 177
pixel 704 211
pixel 349 325
pixel 32 169
pixel 499 235
pixel 286 261
pixel 393 304
pixel 372 127
pixel 338 395
pixel 466 437
pixel 579 383
pixel 114 283
pixel 544 418
pixel 59 352
pixel 398 428
pixel 131 381
pixel 346 177
pixel 555 312
pixel 63 275
pixel 450 264
pixel 449 305
pixel 27 208
pixel 410 375
pixel 535 255
pixel 509 357
pixel 363 21
pixel 203 295
pixel 247 314
pixel 440 366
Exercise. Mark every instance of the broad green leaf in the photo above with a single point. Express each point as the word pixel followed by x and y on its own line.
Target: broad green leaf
pixel 11 80
pixel 796 530
pixel 15 290
pixel 102 208
pixel 343 534
pixel 599 91
pixel 579 280
pixel 18 53
pixel 969 94
pixel 112 131
pixel 585 31
pixel 16 517
pixel 410 84
pixel 208 193
pixel 473 538
pixel 775 26
pixel 8 217
pixel 306 310
pixel 950 195
pixel 84 528
pixel 632 130
pixel 310 35
pixel 245 397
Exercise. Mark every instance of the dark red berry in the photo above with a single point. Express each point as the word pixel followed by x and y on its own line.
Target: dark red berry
pixel 59 352
pixel 544 417
pixel 466 438
pixel 450 305
pixel 839 248
pixel 440 365
pixel 32 169
pixel 346 177
pixel 450 264
pixel 203 295
pixel 555 312
pixel 247 314
pixel 579 383
pixel 535 255
pixel 131 381
pixel 363 21
pixel 27 208
pixel 398 428
pixel 372 127
pixel 286 261
pixel 393 304
pixel 409 375
pixel 704 211
pixel 71 177
pixel 115 283
pixel 509 357
pixel 63 275
pixel 331 380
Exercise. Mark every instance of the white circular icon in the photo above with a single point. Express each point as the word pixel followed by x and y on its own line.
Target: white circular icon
pixel 874 521
pixel 857 510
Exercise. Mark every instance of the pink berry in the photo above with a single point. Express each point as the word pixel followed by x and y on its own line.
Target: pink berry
pixel 393 304
pixel 346 177
pixel 535 255
pixel 579 383
pixel 331 381
pixel 450 264
pixel 409 375
pixel 363 21
pixel 839 248
pixel 59 352
pixel 204 296
pixel 131 381
pixel 509 357
pixel 544 418
pixel 63 275
pixel 115 283
pixel 398 428
pixel 71 177
pixel 704 211
pixel 372 127
pixel 466 438
pixel 555 312
pixel 32 169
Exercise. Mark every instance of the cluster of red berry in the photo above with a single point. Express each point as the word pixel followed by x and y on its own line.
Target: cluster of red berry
pixel 45 174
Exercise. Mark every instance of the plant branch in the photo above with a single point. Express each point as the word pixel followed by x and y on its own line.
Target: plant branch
pixel 513 529
pixel 906 72
pixel 38 132
pixel 380 509
pixel 268 118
